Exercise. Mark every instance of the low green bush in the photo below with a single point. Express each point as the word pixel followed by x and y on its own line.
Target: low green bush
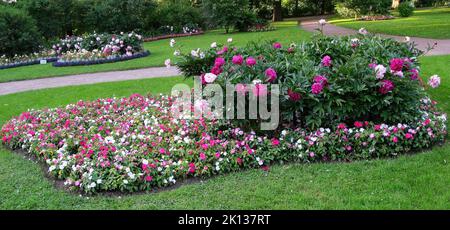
pixel 18 32
pixel 405 9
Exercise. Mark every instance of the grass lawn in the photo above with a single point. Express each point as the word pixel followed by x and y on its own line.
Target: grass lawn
pixel 426 23
pixel 160 51
pixel 419 181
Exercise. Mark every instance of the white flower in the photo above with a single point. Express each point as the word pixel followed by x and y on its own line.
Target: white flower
pixel 214 45
pixel 167 63
pixel 407 39
pixel 362 31
pixel 172 42
pixel 381 71
pixel 230 40
pixel 145 162
pixel 322 22
pixel 355 40
pixel 176 53
pixel 210 77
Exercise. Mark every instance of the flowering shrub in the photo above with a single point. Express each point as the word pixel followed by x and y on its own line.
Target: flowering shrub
pixel 23 60
pixel 132 144
pixel 325 81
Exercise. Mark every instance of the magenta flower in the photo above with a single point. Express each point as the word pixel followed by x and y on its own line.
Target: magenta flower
pixel 434 81
pixel 237 59
pixel 414 74
pixel 321 80
pixel 148 178
pixel 316 88
pixel 294 96
pixel 251 61
pixel 216 70
pixel 277 45
pixel 326 61
pixel 386 86
pixel 271 75
pixel 275 142
pixel 259 90
pixel 202 156
pixel 220 61
pixel 396 64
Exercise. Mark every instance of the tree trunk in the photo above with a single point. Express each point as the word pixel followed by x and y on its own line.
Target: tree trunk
pixel 277 11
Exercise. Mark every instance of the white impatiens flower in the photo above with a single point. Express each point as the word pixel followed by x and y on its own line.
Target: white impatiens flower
pixel 210 77
pixel 380 70
pixel 230 40
pixel 167 63
pixel 214 45
pixel 322 22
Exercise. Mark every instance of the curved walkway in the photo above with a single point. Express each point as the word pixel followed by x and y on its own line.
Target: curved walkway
pixel 442 47
pixel 84 79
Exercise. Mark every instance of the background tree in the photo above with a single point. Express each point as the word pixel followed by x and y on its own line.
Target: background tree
pixel 225 13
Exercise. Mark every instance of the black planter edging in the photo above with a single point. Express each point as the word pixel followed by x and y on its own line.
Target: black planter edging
pixel 101 61
pixel 32 62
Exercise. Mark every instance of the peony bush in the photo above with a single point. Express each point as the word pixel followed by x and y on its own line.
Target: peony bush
pixel 326 81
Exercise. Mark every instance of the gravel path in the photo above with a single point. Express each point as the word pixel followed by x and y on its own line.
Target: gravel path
pixel 442 47
pixel 84 79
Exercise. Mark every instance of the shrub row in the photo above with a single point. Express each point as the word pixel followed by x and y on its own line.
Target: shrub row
pixel 101 60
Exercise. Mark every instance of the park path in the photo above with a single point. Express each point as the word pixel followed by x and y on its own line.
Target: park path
pixel 84 79
pixel 442 46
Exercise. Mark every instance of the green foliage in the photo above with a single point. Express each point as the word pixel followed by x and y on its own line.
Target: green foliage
pixel 405 9
pixel 18 32
pixel 363 7
pixel 178 13
pixel 227 13
pixel 114 16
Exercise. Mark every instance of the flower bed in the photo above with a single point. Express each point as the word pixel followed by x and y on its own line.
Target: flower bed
pixel 156 38
pixel 94 59
pixel 25 60
pixel 134 144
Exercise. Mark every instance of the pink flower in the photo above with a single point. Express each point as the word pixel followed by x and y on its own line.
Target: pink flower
pixel 251 61
pixel 210 77
pixel 358 124
pixel 396 64
pixel 148 178
pixel 294 96
pixel 311 154
pixel 408 136
pixel 321 80
pixel 259 90
pixel 395 139
pixel 386 86
pixel 271 75
pixel 291 50
pixel 202 156
pixel 239 161
pixel 216 70
pixel 372 65
pixel 237 59
pixel 434 81
pixel 192 167
pixel 220 61
pixel 275 142
pixel 316 88
pixel 414 74
pixel 162 151
pixel 342 126
pixel 326 61
pixel 277 45
pixel 241 89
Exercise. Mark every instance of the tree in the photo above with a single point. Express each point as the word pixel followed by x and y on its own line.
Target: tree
pixel 225 13
pixel 277 11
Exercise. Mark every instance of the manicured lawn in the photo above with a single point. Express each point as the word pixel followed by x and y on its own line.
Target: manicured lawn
pixel 409 182
pixel 427 23
pixel 286 32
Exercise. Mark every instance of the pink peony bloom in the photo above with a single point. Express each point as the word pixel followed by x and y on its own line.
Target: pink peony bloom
pixel 277 45
pixel 414 74
pixel 271 75
pixel 326 61
pixel 210 77
pixel 434 81
pixel 216 70
pixel 275 142
pixel 251 61
pixel 386 86
pixel 294 96
pixel 396 64
pixel 237 59
pixel 259 90
pixel 408 136
pixel 316 88
pixel 241 89
pixel 380 71
pixel 220 61
pixel 321 80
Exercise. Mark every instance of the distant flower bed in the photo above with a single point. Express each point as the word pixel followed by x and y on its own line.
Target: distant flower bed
pixel 160 37
pixel 376 17
pixel 134 144
pixel 94 58
pixel 24 60
pixel 261 28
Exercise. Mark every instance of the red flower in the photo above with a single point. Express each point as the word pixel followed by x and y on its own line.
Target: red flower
pixel 294 96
